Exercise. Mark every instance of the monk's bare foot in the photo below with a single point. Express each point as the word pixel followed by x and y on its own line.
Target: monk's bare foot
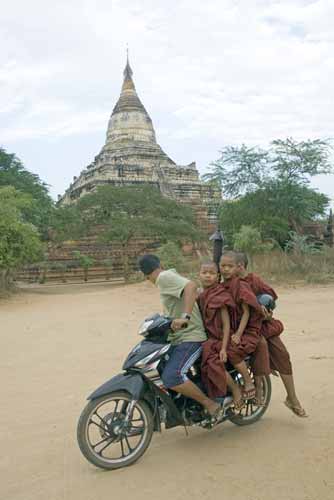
pixel 238 400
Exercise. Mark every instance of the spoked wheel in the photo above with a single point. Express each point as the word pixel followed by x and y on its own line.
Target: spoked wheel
pixel 110 440
pixel 251 412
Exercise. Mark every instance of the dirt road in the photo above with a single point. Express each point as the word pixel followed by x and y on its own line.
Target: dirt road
pixel 58 344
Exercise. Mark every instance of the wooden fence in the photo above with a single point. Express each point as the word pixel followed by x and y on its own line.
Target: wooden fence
pixel 71 275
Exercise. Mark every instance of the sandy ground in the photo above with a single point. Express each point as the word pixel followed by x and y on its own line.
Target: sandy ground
pixel 59 343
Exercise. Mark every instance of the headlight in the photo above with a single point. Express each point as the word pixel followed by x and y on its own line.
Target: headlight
pixel 145 326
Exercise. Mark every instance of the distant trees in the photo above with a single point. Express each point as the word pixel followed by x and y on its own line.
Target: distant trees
pixel 270 189
pixel 19 240
pixel 125 214
pixel 25 212
pixel 39 211
pixel 249 240
pixel 28 216
pixel 267 196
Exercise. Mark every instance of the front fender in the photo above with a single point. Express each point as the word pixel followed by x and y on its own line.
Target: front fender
pixel 132 383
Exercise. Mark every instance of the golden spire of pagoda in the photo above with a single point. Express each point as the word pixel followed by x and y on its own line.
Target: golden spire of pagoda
pixel 128 82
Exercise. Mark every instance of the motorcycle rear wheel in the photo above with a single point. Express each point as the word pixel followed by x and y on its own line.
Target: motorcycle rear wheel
pixel 252 413
pixel 101 421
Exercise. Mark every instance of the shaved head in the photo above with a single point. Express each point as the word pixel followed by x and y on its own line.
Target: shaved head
pixel 239 258
pixel 209 263
pixel 231 255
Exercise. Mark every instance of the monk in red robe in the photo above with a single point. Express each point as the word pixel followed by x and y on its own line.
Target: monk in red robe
pixel 271 329
pixel 214 303
pixel 246 320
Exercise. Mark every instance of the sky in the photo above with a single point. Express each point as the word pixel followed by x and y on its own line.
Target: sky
pixel 210 73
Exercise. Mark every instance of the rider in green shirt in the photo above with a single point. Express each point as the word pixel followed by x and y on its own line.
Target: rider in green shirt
pixel 178 297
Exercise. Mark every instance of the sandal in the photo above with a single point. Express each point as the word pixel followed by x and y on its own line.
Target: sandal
pixel 239 405
pixel 297 410
pixel 249 393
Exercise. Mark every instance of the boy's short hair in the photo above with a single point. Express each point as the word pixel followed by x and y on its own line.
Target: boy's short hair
pixel 148 263
pixel 242 259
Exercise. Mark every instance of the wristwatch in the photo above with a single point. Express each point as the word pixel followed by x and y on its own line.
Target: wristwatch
pixel 185 316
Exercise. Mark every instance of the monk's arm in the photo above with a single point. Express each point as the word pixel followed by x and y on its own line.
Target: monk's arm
pixel 244 319
pixel 226 327
pixel 226 333
pixel 265 288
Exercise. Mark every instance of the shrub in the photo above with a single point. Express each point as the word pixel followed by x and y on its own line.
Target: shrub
pixel 299 244
pixel 171 256
pixel 249 240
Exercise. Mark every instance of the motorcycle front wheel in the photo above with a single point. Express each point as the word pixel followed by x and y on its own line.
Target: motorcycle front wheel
pixel 106 438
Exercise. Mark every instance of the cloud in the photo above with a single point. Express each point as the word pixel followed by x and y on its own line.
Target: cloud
pixel 209 73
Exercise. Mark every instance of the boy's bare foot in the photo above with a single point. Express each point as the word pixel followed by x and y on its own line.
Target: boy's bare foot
pixel 238 400
pixel 239 404
pixel 296 408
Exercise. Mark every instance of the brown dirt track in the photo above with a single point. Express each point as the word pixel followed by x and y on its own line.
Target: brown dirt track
pixel 59 343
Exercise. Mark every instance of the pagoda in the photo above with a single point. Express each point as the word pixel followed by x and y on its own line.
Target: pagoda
pixel 131 156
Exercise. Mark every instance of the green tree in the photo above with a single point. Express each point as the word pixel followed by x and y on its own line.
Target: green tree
pixel 124 214
pixel 274 193
pixel 248 240
pixel 67 223
pixel 19 240
pixel 171 256
pixel 300 245
pixel 297 162
pixel 41 206
pixel 85 261
pixel 243 169
pixel 239 170
pixel 275 210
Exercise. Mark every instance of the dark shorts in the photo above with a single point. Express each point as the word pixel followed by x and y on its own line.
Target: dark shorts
pixel 182 357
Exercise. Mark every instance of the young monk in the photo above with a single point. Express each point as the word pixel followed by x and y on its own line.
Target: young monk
pixel 271 329
pixel 246 320
pixel 214 302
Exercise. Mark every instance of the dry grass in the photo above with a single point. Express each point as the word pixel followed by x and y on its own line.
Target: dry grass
pixel 282 268
pixel 279 267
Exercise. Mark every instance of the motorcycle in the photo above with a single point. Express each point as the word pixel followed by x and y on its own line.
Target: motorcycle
pixel 116 426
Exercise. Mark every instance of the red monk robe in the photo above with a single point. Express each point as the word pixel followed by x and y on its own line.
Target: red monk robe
pixel 242 293
pixel 213 373
pixel 273 327
pixel 278 353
